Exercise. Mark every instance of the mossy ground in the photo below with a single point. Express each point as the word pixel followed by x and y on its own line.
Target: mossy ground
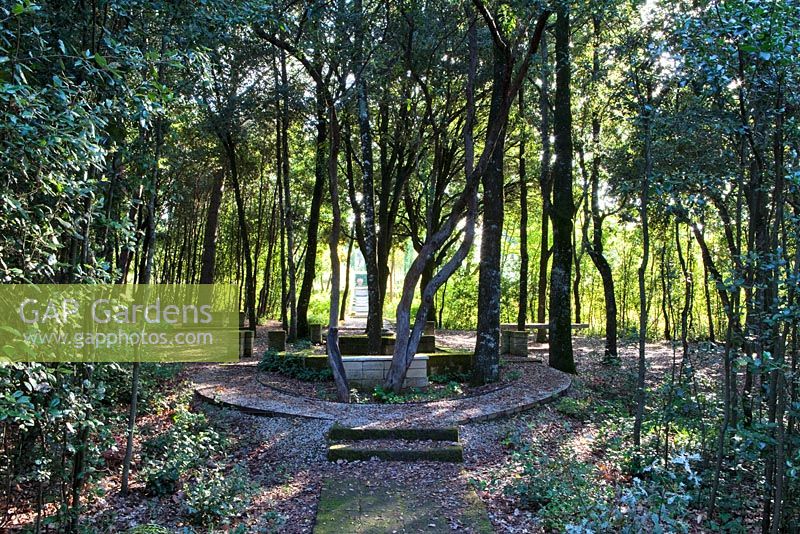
pixel 351 505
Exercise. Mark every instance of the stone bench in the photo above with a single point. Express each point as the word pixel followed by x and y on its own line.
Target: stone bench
pixel 357 345
pixel 367 372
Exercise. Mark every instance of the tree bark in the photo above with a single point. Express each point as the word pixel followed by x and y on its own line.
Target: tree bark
pixel 563 208
pixel 546 189
pixel 370 251
pixel 644 196
pixel 208 261
pixel 487 347
pixel 287 203
pixel 309 268
pixel 595 248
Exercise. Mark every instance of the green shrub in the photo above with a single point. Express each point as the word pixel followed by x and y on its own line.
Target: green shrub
pixel 450 376
pixel 217 497
pixel 576 408
pixel 384 396
pixel 658 503
pixel 293 366
pixel 185 446
pixel 559 489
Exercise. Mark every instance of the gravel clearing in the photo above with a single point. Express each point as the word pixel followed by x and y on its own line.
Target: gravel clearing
pixel 237 385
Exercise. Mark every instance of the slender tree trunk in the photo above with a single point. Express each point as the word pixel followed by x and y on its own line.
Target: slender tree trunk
pixel 345 294
pixel 370 251
pixel 249 274
pixel 546 188
pixel 144 278
pixel 282 224
pixel 263 302
pixel 287 204
pixel 208 261
pixel 522 307
pixel 563 208
pixel 309 269
pixel 644 197
pixel 595 249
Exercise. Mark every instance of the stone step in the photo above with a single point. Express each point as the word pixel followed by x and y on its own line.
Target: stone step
pixel 342 433
pixel 398 451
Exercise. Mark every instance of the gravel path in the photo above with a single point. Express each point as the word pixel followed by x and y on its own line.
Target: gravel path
pixel 236 386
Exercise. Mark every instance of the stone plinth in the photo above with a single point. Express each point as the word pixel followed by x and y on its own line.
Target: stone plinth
pixel 430 328
pixel 367 372
pixel 505 338
pixel 276 340
pixel 518 342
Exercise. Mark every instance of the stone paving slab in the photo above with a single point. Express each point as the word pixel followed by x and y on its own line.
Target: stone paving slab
pixel 236 386
pixel 349 505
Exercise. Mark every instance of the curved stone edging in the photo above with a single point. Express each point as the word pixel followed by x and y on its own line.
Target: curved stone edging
pixel 235 386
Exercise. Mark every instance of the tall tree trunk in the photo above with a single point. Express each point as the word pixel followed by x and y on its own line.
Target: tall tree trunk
pixel 263 299
pixel 144 278
pixel 370 251
pixel 487 347
pixel 595 249
pixel 249 274
pixel 284 316
pixel 546 189
pixel 522 307
pixel 208 261
pixel 644 196
pixel 287 203
pixel 309 268
pixel 563 208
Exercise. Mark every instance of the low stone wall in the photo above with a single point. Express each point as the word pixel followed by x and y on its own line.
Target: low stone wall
pixel 367 372
pixel 449 362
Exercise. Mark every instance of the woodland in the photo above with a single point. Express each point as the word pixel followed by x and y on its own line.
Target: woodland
pixel 633 165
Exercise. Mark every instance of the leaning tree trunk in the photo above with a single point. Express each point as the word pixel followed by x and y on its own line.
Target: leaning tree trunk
pixel 309 268
pixel 563 208
pixel 249 275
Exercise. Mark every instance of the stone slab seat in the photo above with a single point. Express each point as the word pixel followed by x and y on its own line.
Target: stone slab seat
pixel 357 345
pixel 540 326
pixel 439 362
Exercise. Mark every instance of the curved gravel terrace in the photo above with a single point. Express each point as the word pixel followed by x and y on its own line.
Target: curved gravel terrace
pixel 235 386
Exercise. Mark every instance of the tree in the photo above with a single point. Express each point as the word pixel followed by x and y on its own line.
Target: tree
pixel 563 208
